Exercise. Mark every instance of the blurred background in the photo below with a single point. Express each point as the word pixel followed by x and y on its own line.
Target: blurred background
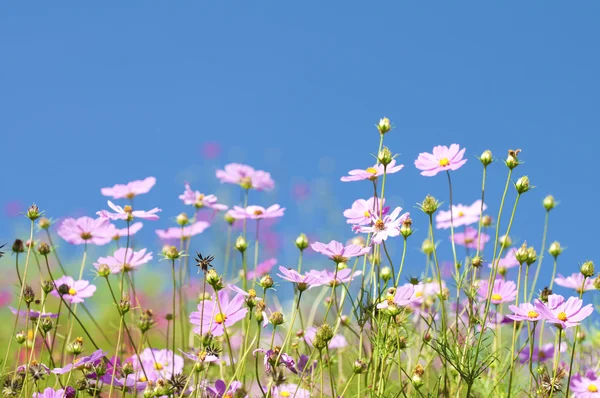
pixel 97 94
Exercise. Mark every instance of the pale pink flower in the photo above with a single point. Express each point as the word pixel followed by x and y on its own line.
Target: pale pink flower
pixel 212 319
pixel 462 215
pixel 85 230
pixel 77 290
pixel 362 211
pixel 129 190
pixel 200 200
pixel 470 239
pixel 371 173
pixel 442 159
pixel 524 312
pixel 257 212
pixel 507 262
pixel 338 252
pixel 389 226
pixel 118 233
pixel 290 390
pixel 575 281
pixel 502 292
pixel 124 258
pixel 262 269
pixel 568 314
pixel 325 277
pixel 246 177
pixel 309 280
pixel 186 232
pixel 405 295
pixel 585 386
pixel 127 213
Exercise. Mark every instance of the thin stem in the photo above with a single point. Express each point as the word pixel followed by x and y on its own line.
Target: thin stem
pixel 173 309
pixel 539 265
pixel 574 342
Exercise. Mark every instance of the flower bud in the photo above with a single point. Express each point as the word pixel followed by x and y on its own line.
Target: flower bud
pixel 522 184
pixel 18 246
pixel 46 325
pixel 505 241
pixel 33 213
pixel 44 249
pixel 477 261
pixel 358 240
pixel 146 321
pixel 359 366
pixel 580 336
pixel 124 305
pixel 549 202
pixel 47 286
pixel 384 125
pixel 276 318
pixel 127 368
pixel 21 337
pixel 417 376
pixel 81 384
pixel 385 274
pixel 229 219
pixel 597 283
pixel 213 279
pixel 486 158
pixel 44 223
pixel 173 253
pixel 427 246
pixel 544 294
pixel 406 228
pixel 103 270
pixel 429 205
pixel 165 250
pixel 323 335
pixel 301 242
pixel 555 249
pixel 169 316
pixel 28 294
pixel 385 156
pixel 486 221
pixel 266 282
pixel 75 347
pixel 521 254
pixel 63 289
pixel 531 255
pixel 182 219
pixel 241 244
pixel 512 161
pixel 587 269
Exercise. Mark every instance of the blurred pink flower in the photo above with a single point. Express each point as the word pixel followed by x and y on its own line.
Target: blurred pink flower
pixel 86 230
pixel 463 215
pixel 338 340
pixel 77 290
pixel 338 252
pixel 470 239
pixel 300 191
pixel 124 258
pixel 507 262
pixel 404 296
pixel 211 150
pixel 363 210
pixel 325 277
pixel 128 213
pixel 122 232
pixel 575 281
pixel 246 177
pixel 186 232
pixel 13 208
pixel 129 190
pixel 502 291
pixel 371 173
pixel 199 200
pixel 442 159
pixel 262 269
pixel 257 212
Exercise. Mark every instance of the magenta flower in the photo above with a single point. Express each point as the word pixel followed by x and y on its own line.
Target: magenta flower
pixel 362 211
pixel 271 356
pixel 461 214
pixel 129 190
pixel 524 312
pixel 199 200
pixel 575 281
pixel 389 226
pixel 76 291
pixel 158 364
pixel 469 238
pixel 124 259
pixel 507 262
pixel 118 233
pixel 200 357
pixel 177 233
pixel 325 277
pixel 212 319
pixel 586 386
pixel 93 359
pixel 502 292
pixel 257 212
pixel 33 314
pixel 127 213
pixel 262 269
pixel 306 281
pixel 404 296
pixel 540 354
pixel 568 314
pixel 338 252
pixel 371 173
pixel 49 392
pixel 338 340
pixel 442 159
pixel 246 177
pixel 221 390
pixel 86 230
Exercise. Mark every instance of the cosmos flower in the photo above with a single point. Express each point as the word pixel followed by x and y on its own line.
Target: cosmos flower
pixel 338 340
pixel 568 314
pixel 129 382
pixel 585 386
pixel 404 296
pixel 93 359
pixel 270 356
pixel 33 314
pixel 200 357
pixel 469 238
pixel 118 233
pixel 325 277
pixel 212 319
pixel 461 214
pixel 338 252
pixel 524 312
pixel 86 230
pixel 362 211
pixel 158 364
pixel 129 190
pixel 289 390
pixel 262 269
pixel 49 392
pixel 246 177
pixel 77 290
pixel 308 280
pixel 371 173
pixel 389 226
pixel 502 291
pixel 221 390
pixel 177 233
pixel 124 258
pixel 442 159
pixel 575 281
pixel 127 213
pixel 199 200
pixel 507 262
pixel 540 354
pixel 257 212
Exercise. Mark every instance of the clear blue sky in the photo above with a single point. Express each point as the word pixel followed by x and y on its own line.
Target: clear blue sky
pixel 94 94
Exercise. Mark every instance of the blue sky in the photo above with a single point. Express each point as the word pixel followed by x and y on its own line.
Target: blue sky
pixel 96 94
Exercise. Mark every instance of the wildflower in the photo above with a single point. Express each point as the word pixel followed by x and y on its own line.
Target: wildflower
pixel 129 190
pixel 212 320
pixel 486 158
pixel 203 262
pixel 266 282
pixel 555 249
pixel 362 211
pixel 49 392
pixel 511 160
pixel 93 359
pixel 257 212
pixel 384 125
pixel 86 230
pixel 335 341
pixel 540 354
pixel 199 200
pixel 389 226
pixel 470 239
pixel 118 233
pixel 429 205
pixel 271 355
pixel 303 282
pixel 522 185
pixel 221 390
pixel 127 213
pixel 587 269
pixel 158 364
pixel 403 296
pixel 124 259
pixel 502 291
pixel 585 386
pixel 461 215
pixel 565 315
pixel 371 173
pixel 507 262
pixel 246 177
pixel 289 390
pixel 330 278
pixel 73 291
pixel 442 159
pixel 524 312
pixel 337 252
pixel 575 281
pixel 262 269
pixel 33 314
pixel 178 233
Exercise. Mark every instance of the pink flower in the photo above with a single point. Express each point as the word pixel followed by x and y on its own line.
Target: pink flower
pixel 524 312
pixel 442 159
pixel 256 212
pixel 330 278
pixel 506 262
pixel 469 238
pixel 462 215
pixel 371 173
pixel 86 230
pixel 309 280
pixel 75 291
pixel 212 319
pixel 246 177
pixel 404 296
pixel 586 386
pixel 124 258
pixel 129 190
pixel 337 252
pixel 199 200
pixel 389 226
pixel 186 232
pixel 123 232
pixel 290 390
pixel 575 281
pixel 502 292
pixel 568 314
pixel 362 211
pixel 540 354
pixel 158 364
pixel 262 269
pixel 127 213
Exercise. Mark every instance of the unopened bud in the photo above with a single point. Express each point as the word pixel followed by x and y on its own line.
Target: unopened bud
pixel 44 223
pixel 531 255
pixel 44 249
pixel 385 274
pixel 544 294
pixel 103 270
pixel 46 325
pixel 385 156
pixel 429 205
pixel 173 253
pixel 511 160
pixel 213 279
pixel 301 242
pixel 28 294
pixel 477 261
pixel 486 221
pixel 427 246
pixel 33 213
pixel 47 286
pixel 229 219
pixel 276 318
pixel 522 184
pixel 18 246
pixel 505 241
pixel 21 337
pixel 266 282
pixel 384 125
pixel 521 253
pixel 587 269
pixel 486 158
pixel 241 244
pixel 182 219
pixel 555 249
pixel 359 366
pixel 549 202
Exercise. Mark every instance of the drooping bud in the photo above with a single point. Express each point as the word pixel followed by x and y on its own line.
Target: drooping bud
pixel 522 185
pixel 549 202
pixel 486 158
pixel 241 244
pixel 384 125
pixel 301 242
pixel 18 246
pixel 429 205
pixel 43 249
pixel 182 219
pixel 587 269
pixel 555 249
pixel 359 366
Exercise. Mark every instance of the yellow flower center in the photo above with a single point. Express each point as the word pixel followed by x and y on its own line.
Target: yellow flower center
pixel 258 212
pixel 72 291
pixel 127 209
pixel 246 182
pixel 371 170
pixel 252 293
pixel 220 318
pixel 86 235
pixel 287 393
pixel 158 366
pixel 562 316
pixel 390 300
pixel 419 294
pixel 532 314
pixel 30 334
pixel 592 388
pixel 496 297
pixel 444 162
pixel 367 214
pixel 379 225
pixel 130 195
pixel 461 214
pixel 143 379
pixel 469 240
